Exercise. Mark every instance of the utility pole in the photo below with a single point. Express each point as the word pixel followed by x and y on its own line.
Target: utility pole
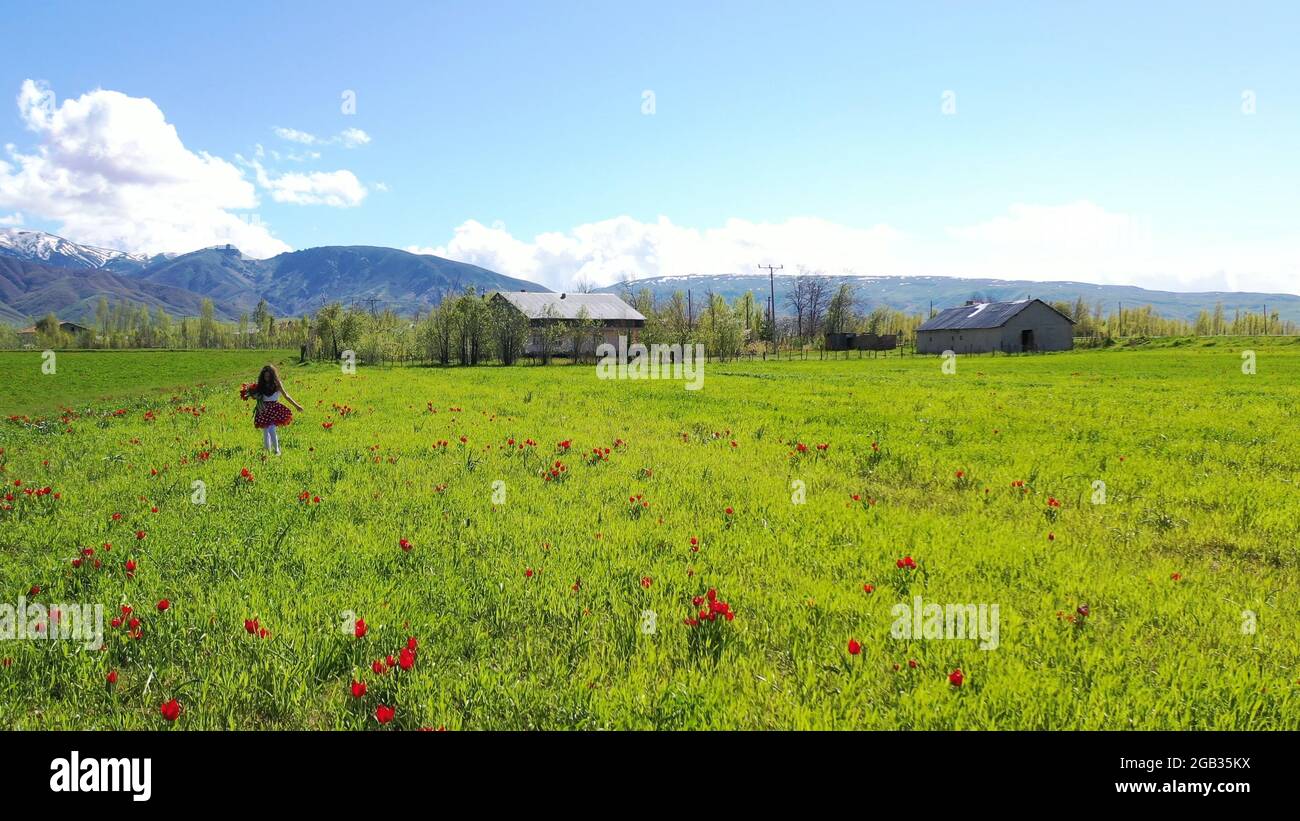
pixel 371 302
pixel 690 321
pixel 771 284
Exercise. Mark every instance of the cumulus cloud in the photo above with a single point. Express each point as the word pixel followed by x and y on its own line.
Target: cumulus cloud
pixel 1079 241
pixel 607 251
pixel 16 218
pixel 348 137
pixel 339 189
pixel 113 172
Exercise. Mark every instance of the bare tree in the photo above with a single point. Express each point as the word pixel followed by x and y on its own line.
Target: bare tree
pixel 797 296
pixel 819 299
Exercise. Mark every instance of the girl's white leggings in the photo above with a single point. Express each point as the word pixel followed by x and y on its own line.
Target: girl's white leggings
pixel 271 438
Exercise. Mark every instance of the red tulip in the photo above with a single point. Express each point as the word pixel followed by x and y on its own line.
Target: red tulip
pixel 358 689
pixel 956 677
pixel 854 647
pixel 163 605
pixel 406 659
pixel 170 710
pixel 111 678
pixel 360 629
pixel 384 714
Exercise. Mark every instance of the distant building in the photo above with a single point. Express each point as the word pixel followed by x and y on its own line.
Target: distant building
pixel 1010 327
pixel 609 315
pixel 861 342
pixel 28 335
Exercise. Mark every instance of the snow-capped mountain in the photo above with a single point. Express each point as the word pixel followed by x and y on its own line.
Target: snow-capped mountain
pixel 918 294
pixel 38 246
pixel 41 273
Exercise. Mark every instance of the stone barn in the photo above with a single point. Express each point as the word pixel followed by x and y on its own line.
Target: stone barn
pixel 608 317
pixel 1025 326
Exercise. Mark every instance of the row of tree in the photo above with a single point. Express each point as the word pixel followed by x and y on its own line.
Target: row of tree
pixel 467 329
pixel 124 325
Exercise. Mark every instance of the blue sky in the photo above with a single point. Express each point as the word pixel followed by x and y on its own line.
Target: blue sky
pixel 1085 141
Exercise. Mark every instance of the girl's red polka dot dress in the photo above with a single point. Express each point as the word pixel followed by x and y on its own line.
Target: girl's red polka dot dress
pixel 271 413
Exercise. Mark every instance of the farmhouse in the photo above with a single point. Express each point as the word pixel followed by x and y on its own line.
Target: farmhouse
pixel 1011 327
pixel 27 336
pixel 606 316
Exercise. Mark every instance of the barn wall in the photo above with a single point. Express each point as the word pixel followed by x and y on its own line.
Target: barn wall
pixel 609 332
pixel 1052 332
pixel 961 341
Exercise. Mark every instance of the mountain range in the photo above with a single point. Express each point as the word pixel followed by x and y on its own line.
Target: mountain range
pixel 41 273
pixel 915 295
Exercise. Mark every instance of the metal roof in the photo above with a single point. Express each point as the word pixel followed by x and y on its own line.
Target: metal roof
pixel 566 306
pixel 980 315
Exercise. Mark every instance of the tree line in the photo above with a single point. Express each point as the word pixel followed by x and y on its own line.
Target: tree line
pixel 468 329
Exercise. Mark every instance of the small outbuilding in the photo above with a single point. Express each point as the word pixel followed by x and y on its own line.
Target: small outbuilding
pixel 1025 326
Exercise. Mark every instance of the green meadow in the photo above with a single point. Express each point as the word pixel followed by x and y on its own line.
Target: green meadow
pixel 543 544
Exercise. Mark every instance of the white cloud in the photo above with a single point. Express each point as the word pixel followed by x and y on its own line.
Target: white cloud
pixel 16 218
pixel 1076 241
pixel 339 189
pixel 293 135
pixel 603 252
pixel 353 137
pixel 348 137
pixel 1083 241
pixel 113 172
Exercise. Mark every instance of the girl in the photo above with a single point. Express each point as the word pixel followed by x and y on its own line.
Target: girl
pixel 269 413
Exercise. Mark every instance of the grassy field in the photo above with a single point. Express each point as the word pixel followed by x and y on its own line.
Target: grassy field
pixel 567 602
pixel 83 377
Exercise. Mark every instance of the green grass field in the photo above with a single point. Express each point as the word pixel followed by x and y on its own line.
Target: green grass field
pixel 105 376
pixel 564 603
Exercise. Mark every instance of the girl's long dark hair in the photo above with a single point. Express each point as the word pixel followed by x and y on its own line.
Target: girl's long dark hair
pixel 268 381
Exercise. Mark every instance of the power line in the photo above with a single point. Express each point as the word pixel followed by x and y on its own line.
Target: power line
pixel 771 284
